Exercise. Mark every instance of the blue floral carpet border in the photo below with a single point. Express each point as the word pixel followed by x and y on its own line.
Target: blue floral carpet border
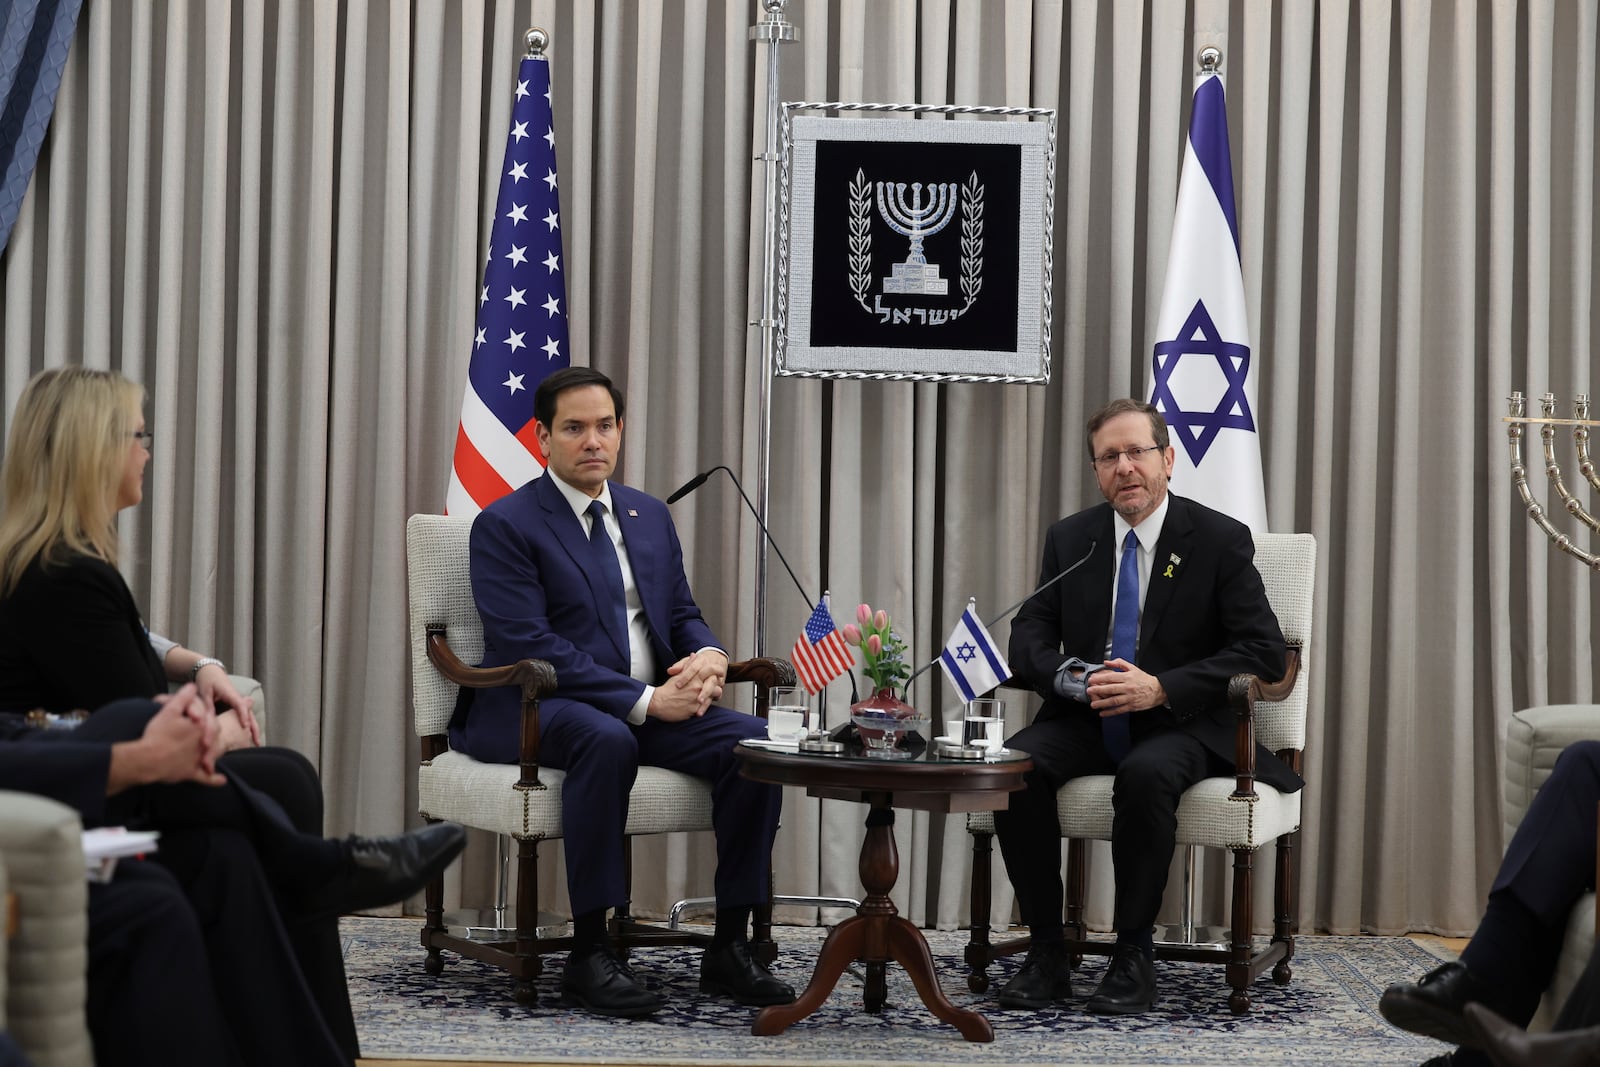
pixel 1326 1015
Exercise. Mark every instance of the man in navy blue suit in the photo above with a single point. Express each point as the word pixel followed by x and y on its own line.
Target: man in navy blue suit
pixel 587 574
pixel 1170 602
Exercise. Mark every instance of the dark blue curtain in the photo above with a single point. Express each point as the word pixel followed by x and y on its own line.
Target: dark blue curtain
pixel 34 38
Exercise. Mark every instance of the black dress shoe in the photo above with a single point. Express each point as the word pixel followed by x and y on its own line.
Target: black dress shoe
pixel 1129 986
pixel 1431 1006
pixel 1508 1045
pixel 1044 977
pixel 384 870
pixel 730 969
pixel 595 980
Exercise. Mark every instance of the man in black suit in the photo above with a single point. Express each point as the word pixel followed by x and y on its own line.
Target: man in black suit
pixel 1508 964
pixel 236 887
pixel 1171 603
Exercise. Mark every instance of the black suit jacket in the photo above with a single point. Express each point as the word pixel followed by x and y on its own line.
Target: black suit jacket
pixel 1206 619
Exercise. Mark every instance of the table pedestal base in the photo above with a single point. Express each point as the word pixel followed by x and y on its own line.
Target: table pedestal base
pixel 875 935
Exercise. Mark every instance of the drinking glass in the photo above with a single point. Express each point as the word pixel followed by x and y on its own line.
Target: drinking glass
pixel 985 724
pixel 788 713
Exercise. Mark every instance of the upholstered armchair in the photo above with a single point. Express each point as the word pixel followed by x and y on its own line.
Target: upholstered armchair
pixel 1236 813
pixel 523 800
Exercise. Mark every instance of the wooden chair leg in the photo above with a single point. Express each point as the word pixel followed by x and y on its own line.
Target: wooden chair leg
pixel 1077 893
pixel 527 920
pixel 978 953
pixel 433 922
pixel 1239 950
pixel 1286 905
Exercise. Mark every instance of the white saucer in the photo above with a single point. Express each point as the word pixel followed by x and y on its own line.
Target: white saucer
pixel 767 742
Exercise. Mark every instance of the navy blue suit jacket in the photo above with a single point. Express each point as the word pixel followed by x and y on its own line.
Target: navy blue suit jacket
pixel 538 598
pixel 1206 618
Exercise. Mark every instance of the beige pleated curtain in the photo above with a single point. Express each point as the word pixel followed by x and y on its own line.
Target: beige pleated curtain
pixel 274 216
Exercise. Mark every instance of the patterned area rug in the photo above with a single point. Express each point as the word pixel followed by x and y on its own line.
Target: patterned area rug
pixel 1326 1015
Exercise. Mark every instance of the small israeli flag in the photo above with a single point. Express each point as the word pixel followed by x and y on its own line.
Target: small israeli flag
pixel 971 659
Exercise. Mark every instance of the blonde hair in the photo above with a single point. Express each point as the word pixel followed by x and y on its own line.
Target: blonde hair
pixel 65 457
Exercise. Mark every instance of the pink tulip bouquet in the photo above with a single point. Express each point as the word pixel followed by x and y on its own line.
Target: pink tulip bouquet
pixel 883 651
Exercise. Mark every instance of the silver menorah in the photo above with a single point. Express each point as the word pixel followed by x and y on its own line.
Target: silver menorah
pixel 916 221
pixel 1547 423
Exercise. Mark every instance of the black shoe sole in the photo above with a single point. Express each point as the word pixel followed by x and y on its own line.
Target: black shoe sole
pixel 1012 1002
pixel 1419 1017
pixel 576 1000
pixel 1113 1007
pixel 750 1000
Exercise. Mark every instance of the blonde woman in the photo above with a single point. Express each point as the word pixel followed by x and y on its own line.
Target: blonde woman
pixel 71 635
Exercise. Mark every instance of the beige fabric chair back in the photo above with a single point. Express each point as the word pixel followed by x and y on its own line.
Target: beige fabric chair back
pixel 46 963
pixel 1288 566
pixel 441 595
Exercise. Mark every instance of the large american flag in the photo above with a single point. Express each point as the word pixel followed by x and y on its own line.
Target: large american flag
pixel 521 332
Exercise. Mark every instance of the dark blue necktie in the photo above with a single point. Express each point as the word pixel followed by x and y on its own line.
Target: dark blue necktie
pixel 609 569
pixel 1114 729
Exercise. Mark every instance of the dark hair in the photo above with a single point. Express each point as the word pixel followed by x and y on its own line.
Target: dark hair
pixel 544 397
pixel 1126 406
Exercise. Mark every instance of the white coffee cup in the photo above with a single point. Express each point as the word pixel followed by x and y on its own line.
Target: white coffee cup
pixel 787 724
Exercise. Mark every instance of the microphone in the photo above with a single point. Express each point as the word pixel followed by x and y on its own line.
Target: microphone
pixel 700 479
pixel 691 485
pixel 1042 587
pixel 1045 585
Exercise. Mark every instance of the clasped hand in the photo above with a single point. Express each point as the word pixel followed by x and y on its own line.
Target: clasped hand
pixel 692 684
pixel 1122 688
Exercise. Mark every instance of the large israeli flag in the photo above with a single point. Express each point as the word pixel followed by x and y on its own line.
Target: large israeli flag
pixel 1203 367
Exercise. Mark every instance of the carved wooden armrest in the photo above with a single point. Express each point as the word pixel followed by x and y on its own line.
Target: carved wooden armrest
pixel 535 677
pixel 1243 692
pixel 765 672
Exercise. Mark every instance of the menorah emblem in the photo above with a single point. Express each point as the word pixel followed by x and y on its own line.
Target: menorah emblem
pixel 1547 424
pixel 916 276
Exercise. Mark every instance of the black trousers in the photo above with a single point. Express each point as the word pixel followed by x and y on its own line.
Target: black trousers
pixel 1149 783
pixel 256 839
pixel 1549 863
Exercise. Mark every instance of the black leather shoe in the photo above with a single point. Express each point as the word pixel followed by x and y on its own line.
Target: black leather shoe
pixel 1129 986
pixel 383 870
pixel 1431 1006
pixel 730 969
pixel 1045 976
pixel 595 980
pixel 1508 1045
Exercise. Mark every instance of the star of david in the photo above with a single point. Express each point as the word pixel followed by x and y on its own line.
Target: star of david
pixel 1197 429
pixel 966 653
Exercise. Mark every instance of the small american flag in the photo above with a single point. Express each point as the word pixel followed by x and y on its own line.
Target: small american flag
pixel 820 655
pixel 521 330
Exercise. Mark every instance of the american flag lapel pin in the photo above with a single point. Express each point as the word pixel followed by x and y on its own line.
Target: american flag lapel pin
pixel 632 514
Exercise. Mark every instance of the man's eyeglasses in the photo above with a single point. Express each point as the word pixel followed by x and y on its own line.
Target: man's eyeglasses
pixel 144 437
pixel 1109 461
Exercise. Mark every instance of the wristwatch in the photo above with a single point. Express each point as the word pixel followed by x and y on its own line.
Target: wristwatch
pixel 205 661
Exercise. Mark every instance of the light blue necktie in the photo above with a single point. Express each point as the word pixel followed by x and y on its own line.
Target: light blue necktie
pixel 609 569
pixel 1114 730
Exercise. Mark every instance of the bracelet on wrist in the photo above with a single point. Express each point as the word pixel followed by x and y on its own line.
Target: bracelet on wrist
pixel 204 661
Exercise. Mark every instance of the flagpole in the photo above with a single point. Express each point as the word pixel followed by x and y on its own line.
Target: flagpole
pixel 775 31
